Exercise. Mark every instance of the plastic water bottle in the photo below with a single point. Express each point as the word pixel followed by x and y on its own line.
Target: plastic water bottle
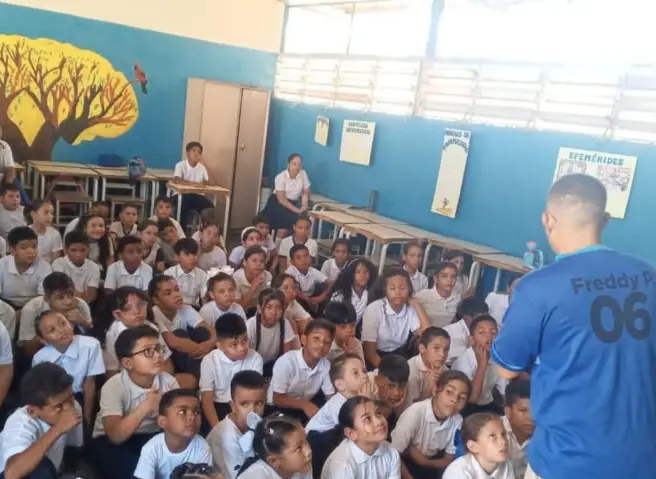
pixel 533 257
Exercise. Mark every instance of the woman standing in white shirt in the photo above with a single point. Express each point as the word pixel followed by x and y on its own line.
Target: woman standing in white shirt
pixel 291 196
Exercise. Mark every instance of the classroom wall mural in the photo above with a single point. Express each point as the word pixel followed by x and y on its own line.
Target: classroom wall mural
pixel 52 91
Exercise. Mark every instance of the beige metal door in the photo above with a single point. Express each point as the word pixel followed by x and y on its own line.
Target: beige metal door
pixel 250 157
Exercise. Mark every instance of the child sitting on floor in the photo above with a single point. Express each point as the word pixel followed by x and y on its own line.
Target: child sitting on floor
pixel 164 211
pixel 217 369
pixel 35 436
pixel 221 292
pixel 427 367
pixel 127 226
pixel 439 302
pixel 179 417
pixel 468 309
pixel 129 403
pixel 148 232
pixel 301 236
pixel 191 279
pixel 84 273
pixel 11 212
pixel 252 278
pixel 22 272
pixel 50 241
pixel 97 207
pixel 293 312
pixel 129 270
pixel 412 254
pixel 248 393
pixel 339 253
pixel 426 432
pixel 101 247
pixel 314 287
pixel 186 334
pixel 461 288
pixel 353 285
pixel 249 237
pixel 518 423
pixel 168 237
pixel 391 380
pixel 261 222
pixel 298 375
pixel 342 315
pixel 210 255
pixel 269 333
pixel 80 356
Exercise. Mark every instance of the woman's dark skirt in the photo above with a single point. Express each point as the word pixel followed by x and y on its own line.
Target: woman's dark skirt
pixel 280 217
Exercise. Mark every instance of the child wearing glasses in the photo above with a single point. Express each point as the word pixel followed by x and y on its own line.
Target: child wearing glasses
pixel 129 403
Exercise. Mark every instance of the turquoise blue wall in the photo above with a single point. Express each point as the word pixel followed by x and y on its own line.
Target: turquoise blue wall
pixel 508 174
pixel 168 61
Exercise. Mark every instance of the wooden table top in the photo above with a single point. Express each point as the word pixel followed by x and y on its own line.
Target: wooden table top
pixel 319 199
pixel 55 169
pixel 502 261
pixel 382 234
pixel 375 217
pixel 337 217
pixel 160 174
pixel 199 190
pixel 19 168
pixel 113 173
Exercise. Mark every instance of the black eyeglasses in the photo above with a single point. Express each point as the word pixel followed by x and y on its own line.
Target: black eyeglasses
pixel 150 351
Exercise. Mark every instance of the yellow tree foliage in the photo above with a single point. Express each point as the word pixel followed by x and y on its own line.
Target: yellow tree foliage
pixel 51 91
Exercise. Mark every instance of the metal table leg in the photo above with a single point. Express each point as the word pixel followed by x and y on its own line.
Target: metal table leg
pixel 227 213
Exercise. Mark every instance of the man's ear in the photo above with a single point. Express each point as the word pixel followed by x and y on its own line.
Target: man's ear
pixel 161 421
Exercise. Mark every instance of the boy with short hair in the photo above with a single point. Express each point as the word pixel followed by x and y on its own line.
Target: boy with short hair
pixel 179 417
pixel 168 236
pixel 261 222
pixel 129 270
pixel 298 375
pixel 468 309
pixel 22 272
pixel 518 423
pixel 97 207
pixel 35 436
pixel 343 316
pixel 164 211
pixel 391 380
pixel 248 395
pixel 192 171
pixel 129 403
pixel 11 212
pixel 59 297
pixel 80 356
pixel 428 365
pixel 191 279
pixel 233 354
pixel 84 273
pixel 476 364
pixel 127 226
pixel 314 285
pixel 301 236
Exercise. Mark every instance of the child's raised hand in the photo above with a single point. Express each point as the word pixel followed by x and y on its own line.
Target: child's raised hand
pixel 482 355
pixel 368 389
pixel 76 317
pixel 152 400
pixel 257 281
pixel 68 420
pixel 350 345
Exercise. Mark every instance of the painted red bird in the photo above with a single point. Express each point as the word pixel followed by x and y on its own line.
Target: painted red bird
pixel 140 76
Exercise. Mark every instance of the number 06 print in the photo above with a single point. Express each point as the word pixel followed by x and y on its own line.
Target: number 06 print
pixel 630 316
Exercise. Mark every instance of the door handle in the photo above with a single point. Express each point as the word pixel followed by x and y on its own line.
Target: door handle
pixel 242 147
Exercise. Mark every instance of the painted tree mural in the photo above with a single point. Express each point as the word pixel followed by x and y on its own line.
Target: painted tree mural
pixel 51 91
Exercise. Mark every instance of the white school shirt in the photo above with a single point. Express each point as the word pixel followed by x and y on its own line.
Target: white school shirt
pixel 38 305
pixel 467 467
pixel 269 243
pixel 459 334
pixel 467 363
pixel 82 359
pixel 387 328
pixel 295 312
pixel 348 461
pixel 237 255
pixel 211 311
pixel 118 276
pixel 6 158
pixel 441 311
pixel 498 304
pixel 419 281
pixel 269 347
pixel 120 396
pixel 196 238
pixel 336 351
pixel 192 284
pixel 516 451
pixel 84 277
pixel 3 247
pixel 212 259
pixel 22 430
pixel 416 380
pixel 195 174
pixel 8 318
pixel 307 281
pixel 158 462
pixel 117 228
pixel 71 226
pixel 217 371
pixel 243 286
pixel 328 416
pixel 10 219
pixel 49 242
pixel 186 318
pixel 292 376
pixel 21 287
pixel 6 354
pixel 330 269
pixel 419 427
pixel 359 303
pixel 226 451
pixel 288 242
pixel 261 470
pixel 292 187
pixel 461 286
pixel 109 354
pixel 152 255
pixel 176 223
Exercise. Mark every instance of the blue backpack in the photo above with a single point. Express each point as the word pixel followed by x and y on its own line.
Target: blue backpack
pixel 136 169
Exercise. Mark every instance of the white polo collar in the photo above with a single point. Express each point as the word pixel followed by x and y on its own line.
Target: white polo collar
pixel 303 364
pixel 429 415
pixel 84 266
pixel 509 431
pixel 135 388
pixel 225 359
pixel 360 456
pixel 125 272
pixel 390 311
pixel 180 272
pixel 12 267
pixel 73 350
pixel 412 276
pixel 302 275
pixel 420 363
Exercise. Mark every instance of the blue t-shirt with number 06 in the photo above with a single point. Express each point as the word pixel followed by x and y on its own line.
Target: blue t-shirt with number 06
pixel 583 327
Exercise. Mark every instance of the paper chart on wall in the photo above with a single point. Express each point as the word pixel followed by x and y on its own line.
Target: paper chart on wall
pixel 452 172
pixel 616 172
pixel 321 131
pixel 357 142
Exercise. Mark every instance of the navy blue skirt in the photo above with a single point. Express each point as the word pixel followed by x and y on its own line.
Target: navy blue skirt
pixel 280 217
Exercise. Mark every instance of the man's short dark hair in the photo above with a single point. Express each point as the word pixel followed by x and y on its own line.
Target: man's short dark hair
pixel 517 389
pixel 42 382
pixel 21 233
pixel 193 144
pixel 186 245
pixel 579 199
pixel 76 237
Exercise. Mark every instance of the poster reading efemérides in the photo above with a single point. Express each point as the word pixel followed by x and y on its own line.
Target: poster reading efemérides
pixel 616 172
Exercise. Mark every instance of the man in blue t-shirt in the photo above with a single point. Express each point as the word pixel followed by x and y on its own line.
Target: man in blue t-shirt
pixel 583 327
